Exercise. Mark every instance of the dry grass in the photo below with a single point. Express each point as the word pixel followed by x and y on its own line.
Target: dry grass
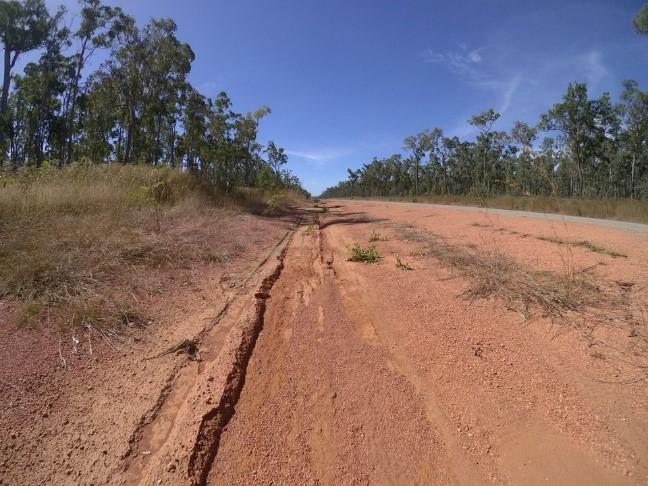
pixel 583 244
pixel 523 289
pixel 401 264
pixel 375 236
pixel 69 239
pixel 588 245
pixel 575 298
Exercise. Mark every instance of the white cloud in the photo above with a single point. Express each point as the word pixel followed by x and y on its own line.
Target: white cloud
pixel 509 92
pixel 432 57
pixel 460 61
pixel 592 66
pixel 319 155
pixel 469 65
pixel 475 56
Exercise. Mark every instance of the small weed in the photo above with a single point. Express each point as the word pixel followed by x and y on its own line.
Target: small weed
pixel 403 265
pixel 360 254
pixel 375 236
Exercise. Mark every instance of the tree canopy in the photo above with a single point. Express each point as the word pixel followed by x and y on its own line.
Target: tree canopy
pixel 591 148
pixel 137 106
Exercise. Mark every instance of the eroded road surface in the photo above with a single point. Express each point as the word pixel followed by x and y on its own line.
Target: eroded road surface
pixel 375 374
pixel 480 348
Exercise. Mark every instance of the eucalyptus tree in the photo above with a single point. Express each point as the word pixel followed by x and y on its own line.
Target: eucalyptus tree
pixel 418 145
pixel 277 158
pixel 608 176
pixel 193 142
pixel 484 123
pixel 37 97
pixel 573 118
pixel 353 176
pixel 434 169
pixel 24 26
pixel 98 29
pixel 523 136
pixel 635 135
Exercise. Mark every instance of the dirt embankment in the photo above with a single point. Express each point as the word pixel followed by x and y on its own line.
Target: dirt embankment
pixel 477 349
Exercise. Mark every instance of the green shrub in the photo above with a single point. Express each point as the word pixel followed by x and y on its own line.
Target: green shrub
pixel 360 254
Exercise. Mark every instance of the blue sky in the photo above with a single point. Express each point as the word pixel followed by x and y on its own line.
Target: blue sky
pixel 348 80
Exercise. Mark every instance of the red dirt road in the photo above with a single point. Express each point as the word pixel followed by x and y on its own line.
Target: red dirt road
pixel 367 374
pixel 319 370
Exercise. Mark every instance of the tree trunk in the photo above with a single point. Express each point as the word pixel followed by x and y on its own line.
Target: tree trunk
pixel 5 83
pixel 632 175
pixel 129 136
pixel 172 144
pixel 69 126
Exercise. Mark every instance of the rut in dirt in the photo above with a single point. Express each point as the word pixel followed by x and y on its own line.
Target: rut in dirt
pixel 213 423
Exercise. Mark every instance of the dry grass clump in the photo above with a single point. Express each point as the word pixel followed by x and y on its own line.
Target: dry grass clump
pixel 574 298
pixel 401 264
pixel 523 289
pixel 584 244
pixel 375 236
pixel 69 238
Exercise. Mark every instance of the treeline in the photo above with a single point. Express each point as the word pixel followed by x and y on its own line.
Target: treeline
pixel 597 148
pixel 136 107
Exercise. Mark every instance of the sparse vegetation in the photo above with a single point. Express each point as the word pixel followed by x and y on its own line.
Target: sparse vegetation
pixel 495 273
pixel 69 235
pixel 575 297
pixel 583 244
pixel 375 236
pixel 402 264
pixel 359 254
